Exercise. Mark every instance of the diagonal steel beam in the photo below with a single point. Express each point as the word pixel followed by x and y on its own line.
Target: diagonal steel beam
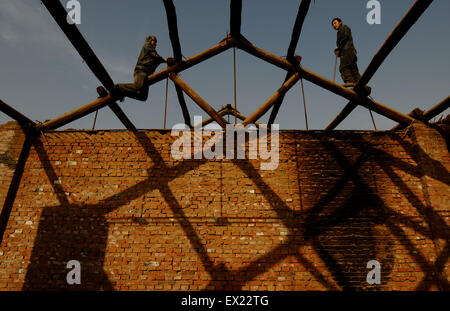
pixel 13 113
pixel 341 116
pixel 14 186
pixel 76 114
pixel 235 17
pixel 98 103
pixel 296 32
pixel 222 46
pixel 71 31
pixel 222 112
pixel 121 115
pixel 427 115
pixel 439 108
pixel 59 14
pixel 391 42
pixel 271 101
pixel 176 47
pixel 411 17
pixel 198 100
pixel 183 106
pixel 173 29
pixel 325 83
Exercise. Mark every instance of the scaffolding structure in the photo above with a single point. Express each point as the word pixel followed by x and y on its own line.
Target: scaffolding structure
pixel 291 64
pixel 356 96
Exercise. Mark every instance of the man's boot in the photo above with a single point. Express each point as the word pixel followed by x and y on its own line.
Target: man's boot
pixel 364 91
pixel 348 84
pixel 117 95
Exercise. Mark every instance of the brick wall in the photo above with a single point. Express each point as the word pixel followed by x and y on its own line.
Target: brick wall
pixel 11 141
pixel 136 219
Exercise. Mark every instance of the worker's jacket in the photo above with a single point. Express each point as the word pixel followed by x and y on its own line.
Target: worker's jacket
pixel 148 59
pixel 345 39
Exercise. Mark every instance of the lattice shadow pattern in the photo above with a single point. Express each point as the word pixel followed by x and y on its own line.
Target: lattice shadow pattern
pixel 314 225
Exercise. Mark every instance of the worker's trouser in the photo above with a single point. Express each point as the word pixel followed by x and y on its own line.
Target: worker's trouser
pixel 137 90
pixel 348 67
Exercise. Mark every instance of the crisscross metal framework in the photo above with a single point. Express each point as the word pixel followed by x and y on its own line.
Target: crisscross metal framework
pixel 295 71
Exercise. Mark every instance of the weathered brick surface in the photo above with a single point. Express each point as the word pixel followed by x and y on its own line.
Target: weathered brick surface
pixel 11 141
pixel 136 219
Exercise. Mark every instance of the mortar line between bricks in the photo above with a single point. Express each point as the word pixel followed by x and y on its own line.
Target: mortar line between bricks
pixel 278 252
pixel 411 197
pixel 428 208
pixel 14 186
pixel 299 181
pixel 425 213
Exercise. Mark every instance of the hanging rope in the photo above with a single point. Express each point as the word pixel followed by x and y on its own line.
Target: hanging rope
pixel 235 101
pixel 165 106
pixel 373 120
pixel 303 93
pixel 95 120
pixel 334 80
pixel 304 103
pixel 335 65
pixel 371 115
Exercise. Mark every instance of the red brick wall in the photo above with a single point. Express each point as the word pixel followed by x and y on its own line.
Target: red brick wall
pixel 136 219
pixel 11 141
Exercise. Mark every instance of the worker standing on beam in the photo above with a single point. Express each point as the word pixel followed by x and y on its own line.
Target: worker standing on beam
pixel 147 63
pixel 346 51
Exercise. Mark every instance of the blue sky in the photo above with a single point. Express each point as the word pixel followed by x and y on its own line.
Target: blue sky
pixel 43 77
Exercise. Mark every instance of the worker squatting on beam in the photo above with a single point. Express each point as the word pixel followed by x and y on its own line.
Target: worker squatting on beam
pixel 146 65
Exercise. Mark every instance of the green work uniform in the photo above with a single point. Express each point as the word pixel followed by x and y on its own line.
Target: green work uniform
pixel 347 53
pixel 146 64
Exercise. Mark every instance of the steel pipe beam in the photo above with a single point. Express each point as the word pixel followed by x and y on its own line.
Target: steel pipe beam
pixel 121 115
pixel 439 108
pixel 76 114
pixel 271 101
pixel 391 42
pixel 411 17
pixel 13 113
pixel 71 31
pixel 197 99
pixel 235 17
pixel 341 116
pixel 59 14
pixel 173 29
pixel 222 112
pixel 427 115
pixel 156 77
pixel 222 46
pixel 176 47
pixel 325 83
pixel 14 186
pixel 296 32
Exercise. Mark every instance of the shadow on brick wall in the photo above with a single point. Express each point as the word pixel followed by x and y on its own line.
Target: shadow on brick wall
pixel 345 236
